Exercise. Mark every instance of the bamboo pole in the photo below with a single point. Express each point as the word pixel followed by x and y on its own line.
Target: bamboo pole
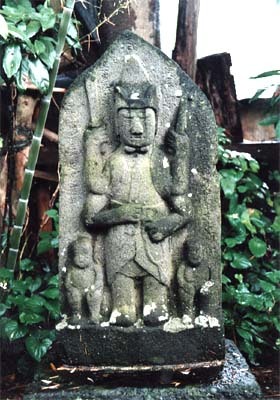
pixel 36 141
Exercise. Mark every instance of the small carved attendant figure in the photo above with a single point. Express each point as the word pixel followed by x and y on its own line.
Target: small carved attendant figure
pixel 84 282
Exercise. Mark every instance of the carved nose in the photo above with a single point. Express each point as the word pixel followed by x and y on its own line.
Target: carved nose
pixel 136 127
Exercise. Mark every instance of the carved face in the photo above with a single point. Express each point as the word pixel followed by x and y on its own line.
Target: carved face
pixel 136 126
pixel 82 253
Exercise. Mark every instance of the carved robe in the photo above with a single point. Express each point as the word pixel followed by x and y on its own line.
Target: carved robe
pixel 130 182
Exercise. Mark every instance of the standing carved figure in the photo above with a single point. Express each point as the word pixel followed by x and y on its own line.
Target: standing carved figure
pixel 138 220
pixel 84 282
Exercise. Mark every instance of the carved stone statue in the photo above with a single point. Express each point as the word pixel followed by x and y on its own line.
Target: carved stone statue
pixel 138 179
pixel 137 219
pixel 84 282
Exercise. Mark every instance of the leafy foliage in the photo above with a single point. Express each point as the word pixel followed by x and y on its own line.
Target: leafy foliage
pixel 250 231
pixel 27 42
pixel 30 302
pixel 273 115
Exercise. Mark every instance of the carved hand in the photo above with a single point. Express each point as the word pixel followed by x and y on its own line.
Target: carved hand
pixel 128 213
pixel 157 230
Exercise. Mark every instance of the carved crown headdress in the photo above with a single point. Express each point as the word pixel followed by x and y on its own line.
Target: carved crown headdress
pixel 134 90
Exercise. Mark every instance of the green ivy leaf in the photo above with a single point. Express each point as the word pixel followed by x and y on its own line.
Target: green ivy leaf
pixel 39 75
pixel 4 30
pixel 26 264
pixel 240 261
pixel 30 319
pixel 34 304
pixel 48 57
pixel 245 219
pixel 6 274
pixel 46 17
pixel 257 247
pixel 15 331
pixel 39 47
pixel 12 59
pixel 22 75
pixel 54 281
pixel 51 293
pixel 32 28
pixel 37 347
pixel 3 309
pixel 276 224
pixel 244 334
pixel 266 286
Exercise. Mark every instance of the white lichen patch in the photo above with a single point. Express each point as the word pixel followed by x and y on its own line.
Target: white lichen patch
pixel 62 324
pixel 72 327
pixel 105 323
pixel 187 321
pixel 86 290
pixel 135 96
pixel 164 317
pixel 139 323
pixel 4 285
pixel 115 314
pixel 213 322
pixel 63 269
pixel 202 321
pixel 78 326
pixel 190 195
pixel 174 325
pixel 167 125
pixel 165 162
pixel 206 321
pixel 178 93
pixel 205 288
pixel 194 171
pixel 149 308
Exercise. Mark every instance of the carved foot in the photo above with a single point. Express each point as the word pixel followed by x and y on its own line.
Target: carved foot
pixel 155 314
pixel 123 317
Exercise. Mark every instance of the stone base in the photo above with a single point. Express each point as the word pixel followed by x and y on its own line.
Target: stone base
pixel 116 349
pixel 235 382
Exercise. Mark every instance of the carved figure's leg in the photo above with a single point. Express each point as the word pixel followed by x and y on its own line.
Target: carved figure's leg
pixel 124 301
pixel 75 302
pixel 94 299
pixel 155 302
pixel 187 289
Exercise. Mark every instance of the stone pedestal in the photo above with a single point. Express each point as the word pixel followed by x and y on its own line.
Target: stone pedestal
pixel 235 382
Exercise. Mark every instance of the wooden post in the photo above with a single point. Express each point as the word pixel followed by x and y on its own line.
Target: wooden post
pixel 214 78
pixel 184 52
pixel 141 17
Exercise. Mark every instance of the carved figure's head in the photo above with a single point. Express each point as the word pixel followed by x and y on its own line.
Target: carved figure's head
pixel 82 252
pixel 136 105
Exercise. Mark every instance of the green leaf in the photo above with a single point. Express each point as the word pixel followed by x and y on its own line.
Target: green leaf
pixel 257 247
pixel 15 331
pixel 47 17
pixel 270 120
pixel 3 309
pixel 43 246
pixel 37 347
pixel 240 261
pixel 48 57
pixel 53 306
pixel 273 276
pixel 266 286
pixel 34 304
pixel 32 28
pixel 39 75
pixel 4 30
pixel 266 74
pixel 245 219
pixel 30 319
pixel 6 274
pixel 258 93
pixel 54 281
pixel 22 75
pixel 244 334
pixel 39 47
pixel 51 293
pixel 12 59
pixel 277 129
pixel 33 284
pixel 26 264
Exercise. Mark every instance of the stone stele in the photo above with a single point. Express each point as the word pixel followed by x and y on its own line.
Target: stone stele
pixel 139 217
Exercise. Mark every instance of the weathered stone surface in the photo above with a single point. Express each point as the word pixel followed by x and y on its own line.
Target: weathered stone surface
pixel 235 382
pixel 138 179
